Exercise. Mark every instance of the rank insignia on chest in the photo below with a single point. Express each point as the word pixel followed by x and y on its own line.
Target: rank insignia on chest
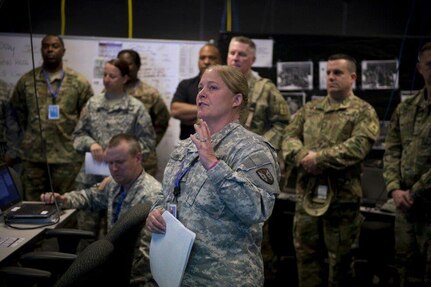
pixel 265 175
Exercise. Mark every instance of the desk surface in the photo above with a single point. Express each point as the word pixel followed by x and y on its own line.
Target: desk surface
pixel 28 235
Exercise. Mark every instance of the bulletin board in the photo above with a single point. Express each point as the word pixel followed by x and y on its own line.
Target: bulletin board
pixel 164 64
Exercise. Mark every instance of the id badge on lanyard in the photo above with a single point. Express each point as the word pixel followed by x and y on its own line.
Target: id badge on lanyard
pixel 53 112
pixel 53 109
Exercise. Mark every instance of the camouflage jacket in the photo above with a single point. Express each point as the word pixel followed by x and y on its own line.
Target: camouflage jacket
pixel 10 131
pixel 225 206
pixel 102 119
pixel 74 92
pixel 342 134
pixel 271 112
pixel 407 159
pixel 144 189
pixel 154 104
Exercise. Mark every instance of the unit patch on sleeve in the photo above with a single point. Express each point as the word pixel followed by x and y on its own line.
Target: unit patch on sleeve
pixel 265 175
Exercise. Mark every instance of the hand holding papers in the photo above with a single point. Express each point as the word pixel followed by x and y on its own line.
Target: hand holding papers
pixel 95 167
pixel 170 252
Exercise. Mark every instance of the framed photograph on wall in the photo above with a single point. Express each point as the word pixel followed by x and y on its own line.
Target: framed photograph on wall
pixel 380 75
pixel 322 76
pixel 317 97
pixel 295 76
pixel 295 100
pixel 407 94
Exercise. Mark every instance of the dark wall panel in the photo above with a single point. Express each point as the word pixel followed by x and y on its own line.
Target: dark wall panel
pixel 201 19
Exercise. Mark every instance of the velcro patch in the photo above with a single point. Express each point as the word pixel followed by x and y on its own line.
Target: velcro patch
pixel 265 175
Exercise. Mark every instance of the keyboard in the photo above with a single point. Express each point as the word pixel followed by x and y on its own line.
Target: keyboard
pixel 6 242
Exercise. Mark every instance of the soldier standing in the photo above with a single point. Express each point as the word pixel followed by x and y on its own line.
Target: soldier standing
pixel 10 132
pixel 407 173
pixel 183 106
pixel 220 183
pixel 104 116
pixel 152 101
pixel 267 115
pixel 48 102
pixel 327 140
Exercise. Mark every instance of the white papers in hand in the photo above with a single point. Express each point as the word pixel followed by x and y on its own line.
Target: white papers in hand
pixel 170 252
pixel 95 167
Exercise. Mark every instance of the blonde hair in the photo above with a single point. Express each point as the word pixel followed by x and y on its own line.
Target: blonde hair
pixel 234 80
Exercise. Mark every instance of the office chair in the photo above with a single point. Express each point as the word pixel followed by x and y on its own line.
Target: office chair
pixel 89 269
pixel 11 276
pixel 125 235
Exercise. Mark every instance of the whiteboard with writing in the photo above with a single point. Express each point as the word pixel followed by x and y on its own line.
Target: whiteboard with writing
pixel 164 64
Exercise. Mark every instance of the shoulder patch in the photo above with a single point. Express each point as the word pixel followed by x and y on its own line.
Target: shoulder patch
pixel 265 175
pixel 374 128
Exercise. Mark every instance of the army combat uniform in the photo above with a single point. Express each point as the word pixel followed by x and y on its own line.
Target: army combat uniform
pixel 102 119
pixel 144 189
pixel 225 206
pixel 64 161
pixel 159 114
pixel 342 134
pixel 10 131
pixel 407 166
pixel 268 113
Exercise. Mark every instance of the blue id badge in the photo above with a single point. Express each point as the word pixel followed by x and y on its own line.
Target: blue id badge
pixel 172 208
pixel 53 112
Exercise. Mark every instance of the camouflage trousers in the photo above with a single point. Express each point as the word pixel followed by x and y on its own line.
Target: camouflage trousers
pixel 331 237
pixel 413 250
pixel 36 179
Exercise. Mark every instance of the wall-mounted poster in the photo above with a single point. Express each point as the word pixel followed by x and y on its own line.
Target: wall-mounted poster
pixel 295 100
pixel 295 75
pixel 317 97
pixel 380 75
pixel 322 76
pixel 407 94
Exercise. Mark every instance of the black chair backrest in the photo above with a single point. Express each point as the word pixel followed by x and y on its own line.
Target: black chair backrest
pixel 124 235
pixel 17 276
pixel 90 267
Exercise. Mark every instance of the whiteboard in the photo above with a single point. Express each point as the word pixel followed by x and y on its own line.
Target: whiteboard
pixel 164 64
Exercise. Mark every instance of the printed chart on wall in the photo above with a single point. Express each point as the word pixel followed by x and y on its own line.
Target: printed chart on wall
pixel 164 64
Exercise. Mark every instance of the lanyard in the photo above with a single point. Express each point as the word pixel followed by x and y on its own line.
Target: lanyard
pixel 53 93
pixel 183 171
pixel 117 204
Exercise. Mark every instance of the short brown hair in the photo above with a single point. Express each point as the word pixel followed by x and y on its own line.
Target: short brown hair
pixel 245 40
pixel 350 59
pixel 134 146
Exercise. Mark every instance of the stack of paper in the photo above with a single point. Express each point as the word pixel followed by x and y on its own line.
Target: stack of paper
pixel 94 167
pixel 170 252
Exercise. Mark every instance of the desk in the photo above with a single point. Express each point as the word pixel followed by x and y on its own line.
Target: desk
pixel 30 236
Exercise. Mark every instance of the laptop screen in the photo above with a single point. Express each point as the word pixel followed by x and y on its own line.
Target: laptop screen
pixel 9 194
